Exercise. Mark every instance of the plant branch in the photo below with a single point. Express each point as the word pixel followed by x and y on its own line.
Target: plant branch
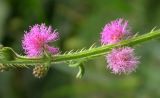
pixel 21 61
pixel 103 49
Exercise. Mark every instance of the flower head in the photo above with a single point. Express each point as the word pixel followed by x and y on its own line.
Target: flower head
pixel 36 40
pixel 122 60
pixel 115 31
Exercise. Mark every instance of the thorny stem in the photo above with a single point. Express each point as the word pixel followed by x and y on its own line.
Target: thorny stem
pixel 103 49
pixel 86 54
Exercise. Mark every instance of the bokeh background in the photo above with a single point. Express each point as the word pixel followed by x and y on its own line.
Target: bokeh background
pixel 79 23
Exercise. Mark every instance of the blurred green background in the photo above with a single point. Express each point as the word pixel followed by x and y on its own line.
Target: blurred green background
pixel 79 23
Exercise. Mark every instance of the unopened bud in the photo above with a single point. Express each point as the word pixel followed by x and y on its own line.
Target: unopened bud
pixel 3 68
pixel 40 71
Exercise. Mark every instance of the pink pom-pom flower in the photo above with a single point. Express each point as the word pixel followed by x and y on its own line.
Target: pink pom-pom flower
pixel 115 31
pixel 37 40
pixel 122 60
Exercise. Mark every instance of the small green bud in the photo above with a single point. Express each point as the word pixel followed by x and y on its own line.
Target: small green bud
pixel 40 71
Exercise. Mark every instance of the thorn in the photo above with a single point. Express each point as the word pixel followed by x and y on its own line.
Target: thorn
pixel 77 51
pixel 92 46
pixel 153 29
pixel 82 49
pixel 135 35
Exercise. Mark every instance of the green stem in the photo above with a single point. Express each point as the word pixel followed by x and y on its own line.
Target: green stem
pixel 86 54
pixel 103 49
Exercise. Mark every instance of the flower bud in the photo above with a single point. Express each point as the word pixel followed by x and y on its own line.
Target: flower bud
pixel 40 71
pixel 3 68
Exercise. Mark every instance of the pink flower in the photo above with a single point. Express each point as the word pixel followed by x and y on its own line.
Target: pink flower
pixel 37 40
pixel 114 32
pixel 122 60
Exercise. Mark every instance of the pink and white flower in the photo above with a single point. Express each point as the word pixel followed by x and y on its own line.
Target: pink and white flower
pixel 122 60
pixel 115 31
pixel 37 40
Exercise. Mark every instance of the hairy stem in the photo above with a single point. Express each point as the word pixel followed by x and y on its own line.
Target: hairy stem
pixel 103 49
pixel 86 54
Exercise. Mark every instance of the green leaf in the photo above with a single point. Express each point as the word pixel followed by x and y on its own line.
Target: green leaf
pixel 81 71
